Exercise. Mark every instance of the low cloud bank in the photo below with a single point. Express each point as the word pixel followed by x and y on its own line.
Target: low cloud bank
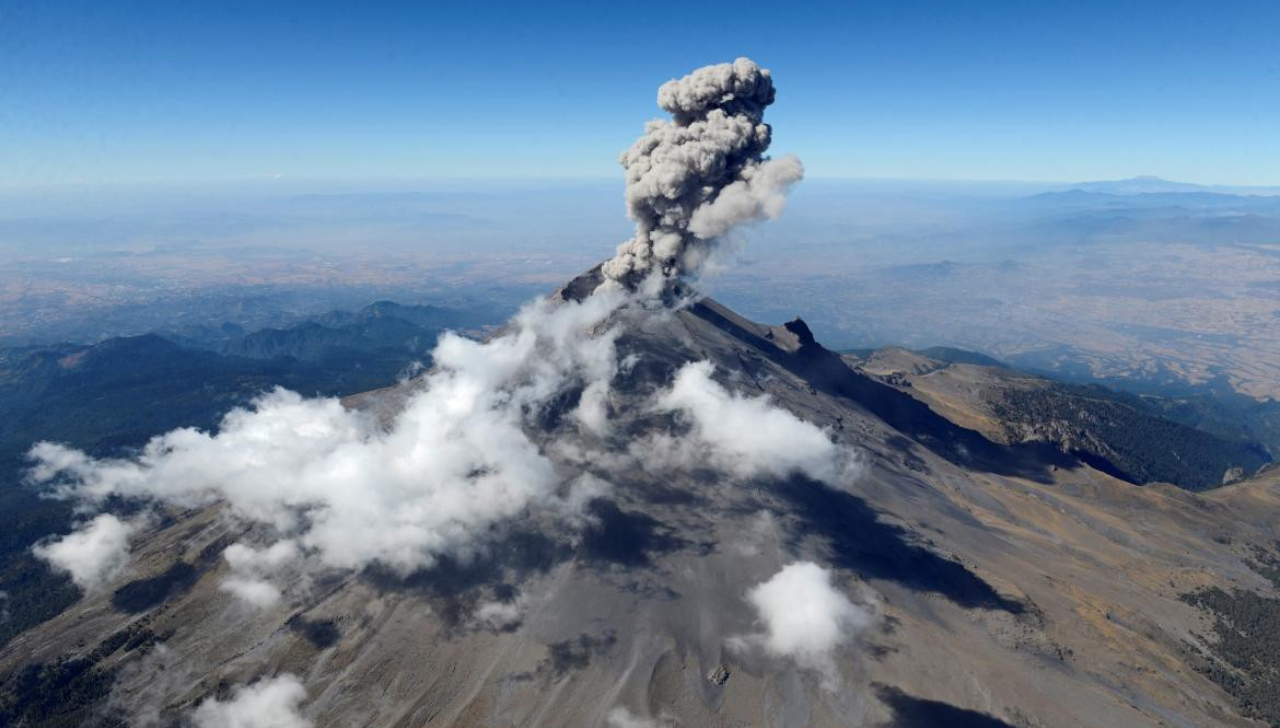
pixel 805 617
pixel 344 491
pixel 269 703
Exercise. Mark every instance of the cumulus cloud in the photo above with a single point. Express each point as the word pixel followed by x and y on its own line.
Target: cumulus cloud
pixel 745 436
pixel 269 703
pixel 805 617
pixel 252 568
pixel 92 554
pixel 693 178
pixel 347 491
pixel 257 592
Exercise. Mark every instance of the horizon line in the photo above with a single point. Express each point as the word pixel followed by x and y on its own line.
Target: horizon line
pixel 266 181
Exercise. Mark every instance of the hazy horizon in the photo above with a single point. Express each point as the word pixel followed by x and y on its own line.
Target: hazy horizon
pixel 434 183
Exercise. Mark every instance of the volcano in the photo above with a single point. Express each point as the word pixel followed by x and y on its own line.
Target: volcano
pixel 968 581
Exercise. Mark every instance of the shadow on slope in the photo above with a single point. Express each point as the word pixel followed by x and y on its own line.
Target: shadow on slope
pixel 322 633
pixel 142 594
pixel 912 712
pixel 862 543
pixel 455 584
pixel 626 538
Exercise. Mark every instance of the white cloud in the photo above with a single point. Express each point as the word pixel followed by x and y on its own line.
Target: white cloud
pixel 344 490
pixel 92 554
pixel 745 436
pixel 622 718
pixel 252 569
pixel 245 558
pixel 592 411
pixel 498 615
pixel 256 592
pixel 269 703
pixel 805 617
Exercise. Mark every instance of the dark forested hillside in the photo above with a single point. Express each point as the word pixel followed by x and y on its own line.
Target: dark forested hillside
pixel 1126 436
pixel 1245 647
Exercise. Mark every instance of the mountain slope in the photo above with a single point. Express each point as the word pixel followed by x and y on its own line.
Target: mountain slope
pixel 1004 584
pixel 1125 435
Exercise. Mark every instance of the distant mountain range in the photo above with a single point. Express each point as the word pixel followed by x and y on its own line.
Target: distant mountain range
pixel 1149 184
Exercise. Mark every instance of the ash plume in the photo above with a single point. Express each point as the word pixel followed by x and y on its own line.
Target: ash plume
pixel 692 179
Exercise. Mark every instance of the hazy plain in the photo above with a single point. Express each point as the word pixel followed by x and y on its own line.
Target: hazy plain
pixel 1141 280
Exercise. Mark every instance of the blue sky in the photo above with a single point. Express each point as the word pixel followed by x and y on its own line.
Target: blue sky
pixel 105 92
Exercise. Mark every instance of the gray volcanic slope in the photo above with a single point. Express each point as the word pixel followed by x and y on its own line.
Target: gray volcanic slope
pixel 1009 585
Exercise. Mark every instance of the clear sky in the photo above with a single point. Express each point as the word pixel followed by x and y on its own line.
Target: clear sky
pixel 188 90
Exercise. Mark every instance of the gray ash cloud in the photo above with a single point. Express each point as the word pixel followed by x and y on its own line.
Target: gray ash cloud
pixel 693 178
